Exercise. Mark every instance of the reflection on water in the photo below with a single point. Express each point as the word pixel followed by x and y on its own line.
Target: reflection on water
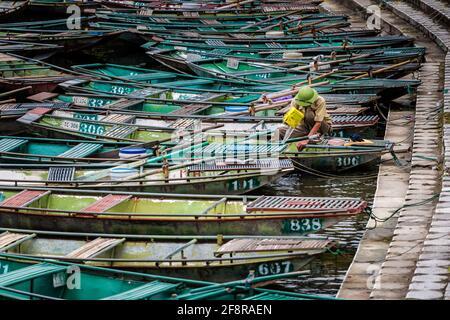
pixel 328 271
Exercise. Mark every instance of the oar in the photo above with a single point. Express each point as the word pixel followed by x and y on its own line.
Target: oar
pixel 365 74
pixel 330 62
pixel 8 93
pixel 273 18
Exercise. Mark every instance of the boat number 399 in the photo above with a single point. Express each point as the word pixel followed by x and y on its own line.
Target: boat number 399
pixel 303 225
pixel 270 268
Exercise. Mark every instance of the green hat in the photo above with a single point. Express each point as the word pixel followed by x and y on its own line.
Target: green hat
pixel 306 96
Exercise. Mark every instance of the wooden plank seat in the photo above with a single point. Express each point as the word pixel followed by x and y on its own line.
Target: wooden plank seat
pixel 145 291
pixel 355 120
pixel 29 273
pixel 183 123
pixel 81 150
pixel 257 165
pixel 230 149
pixel 119 118
pixel 106 203
pixel 10 144
pixel 296 204
pixel 120 131
pixel 24 198
pixel 124 104
pixel 61 174
pixel 143 93
pixel 10 240
pixel 270 244
pixel 94 248
pixel 190 109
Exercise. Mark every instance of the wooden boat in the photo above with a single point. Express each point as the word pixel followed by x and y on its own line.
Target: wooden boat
pixel 20 151
pixel 25 278
pixel 17 72
pixel 206 258
pixel 75 210
pixel 27 48
pixel 192 9
pixel 60 7
pixel 141 127
pixel 176 59
pixel 11 9
pixel 328 157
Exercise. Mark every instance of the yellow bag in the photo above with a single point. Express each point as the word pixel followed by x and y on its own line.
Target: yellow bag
pixel 293 117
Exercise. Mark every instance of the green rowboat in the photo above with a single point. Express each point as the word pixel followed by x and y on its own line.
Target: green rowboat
pixel 74 210
pixel 206 258
pixel 24 278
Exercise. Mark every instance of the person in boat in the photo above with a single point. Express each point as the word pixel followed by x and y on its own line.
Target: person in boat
pixel 316 118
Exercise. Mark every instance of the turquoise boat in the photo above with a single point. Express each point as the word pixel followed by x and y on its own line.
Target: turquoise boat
pixel 38 279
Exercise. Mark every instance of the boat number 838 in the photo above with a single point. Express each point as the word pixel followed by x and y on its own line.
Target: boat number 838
pixel 303 225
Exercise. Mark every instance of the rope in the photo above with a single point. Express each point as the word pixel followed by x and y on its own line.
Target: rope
pixel 372 216
pixel 324 175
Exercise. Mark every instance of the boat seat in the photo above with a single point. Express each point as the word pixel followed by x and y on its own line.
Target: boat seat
pixel 106 203
pixel 119 118
pixel 9 144
pixel 215 43
pixel 355 120
pixel 272 244
pixel 10 240
pixel 298 204
pixel 29 273
pixel 143 93
pixel 120 131
pixel 259 164
pixel 94 248
pixel 151 76
pixel 61 174
pixel 81 150
pixel 183 123
pixel 231 149
pixel 145 291
pixel 190 109
pixel 24 198
pixel 123 104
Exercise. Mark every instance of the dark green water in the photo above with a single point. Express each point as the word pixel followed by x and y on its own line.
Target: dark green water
pixel 328 271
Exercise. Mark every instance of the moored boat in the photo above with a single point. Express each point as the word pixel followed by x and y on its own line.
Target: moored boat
pixel 207 258
pixel 25 278
pixel 74 210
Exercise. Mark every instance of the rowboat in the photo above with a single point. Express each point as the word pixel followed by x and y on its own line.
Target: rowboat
pixel 189 8
pixel 75 210
pixel 60 6
pixel 27 48
pixel 176 59
pixel 206 258
pixel 11 9
pixel 17 72
pixel 25 278
pixel 327 82
pixel 20 151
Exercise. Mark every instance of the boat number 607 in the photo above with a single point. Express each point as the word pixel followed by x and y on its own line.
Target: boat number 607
pixel 265 269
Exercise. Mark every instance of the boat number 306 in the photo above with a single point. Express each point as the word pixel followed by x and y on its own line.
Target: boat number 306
pixel 303 225
pixel 279 267
pixel 343 162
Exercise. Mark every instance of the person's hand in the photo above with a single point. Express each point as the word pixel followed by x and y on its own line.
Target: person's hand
pixel 301 144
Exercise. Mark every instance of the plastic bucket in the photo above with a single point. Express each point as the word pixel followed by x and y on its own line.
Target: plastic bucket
pixel 126 153
pixel 121 173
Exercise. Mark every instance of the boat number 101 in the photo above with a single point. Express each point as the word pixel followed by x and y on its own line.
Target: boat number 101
pixel 243 184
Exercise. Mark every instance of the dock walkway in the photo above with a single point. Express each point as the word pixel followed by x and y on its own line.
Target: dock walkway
pixel 414 262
